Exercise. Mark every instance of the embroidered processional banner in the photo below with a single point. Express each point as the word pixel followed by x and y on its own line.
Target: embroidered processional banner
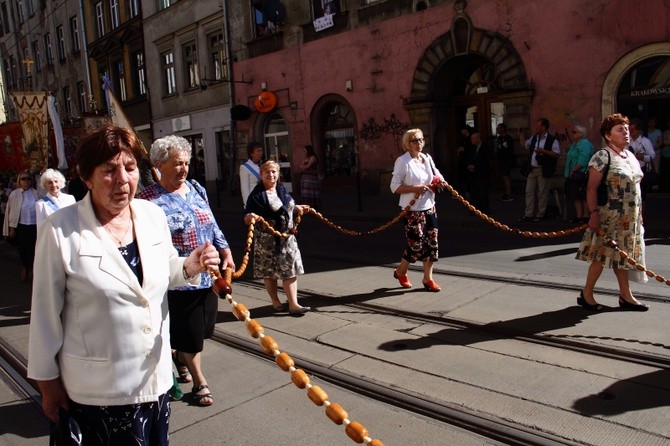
pixel 32 108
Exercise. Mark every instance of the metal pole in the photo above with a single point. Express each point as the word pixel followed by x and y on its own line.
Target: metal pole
pixel 231 95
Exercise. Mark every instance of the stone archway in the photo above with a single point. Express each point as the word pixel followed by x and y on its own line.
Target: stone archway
pixel 489 45
pixel 431 104
pixel 621 67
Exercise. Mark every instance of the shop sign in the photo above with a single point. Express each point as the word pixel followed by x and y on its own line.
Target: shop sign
pixel 266 102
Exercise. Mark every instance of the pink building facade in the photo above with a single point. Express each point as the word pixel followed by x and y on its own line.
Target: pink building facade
pixel 353 90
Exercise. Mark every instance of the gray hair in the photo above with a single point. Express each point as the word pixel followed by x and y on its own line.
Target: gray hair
pixel 52 174
pixel 581 129
pixel 161 147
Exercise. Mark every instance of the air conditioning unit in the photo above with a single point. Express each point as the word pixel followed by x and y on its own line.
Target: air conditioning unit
pixel 181 123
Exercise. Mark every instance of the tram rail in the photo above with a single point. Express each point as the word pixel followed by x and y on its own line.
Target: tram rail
pixel 498 430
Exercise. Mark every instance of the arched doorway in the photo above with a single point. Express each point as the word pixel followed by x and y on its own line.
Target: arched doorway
pixel 467 76
pixel 651 89
pixel 334 136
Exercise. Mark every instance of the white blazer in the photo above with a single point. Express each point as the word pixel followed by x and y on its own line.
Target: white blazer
pixel 92 323
pixel 44 209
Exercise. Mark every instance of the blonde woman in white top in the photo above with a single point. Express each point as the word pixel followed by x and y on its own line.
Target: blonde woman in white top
pixel 413 173
pixel 52 181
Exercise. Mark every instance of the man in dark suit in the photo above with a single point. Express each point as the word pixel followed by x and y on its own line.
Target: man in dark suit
pixel 479 169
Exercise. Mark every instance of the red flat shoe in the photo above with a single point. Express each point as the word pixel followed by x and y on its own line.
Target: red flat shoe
pixel 404 281
pixel 432 286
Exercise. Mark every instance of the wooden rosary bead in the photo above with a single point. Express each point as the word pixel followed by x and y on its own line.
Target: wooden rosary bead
pixel 221 287
pixel 284 361
pixel 356 431
pixel 255 329
pixel 240 312
pixel 317 395
pixel 300 378
pixel 269 345
pixel 336 413
pixel 376 442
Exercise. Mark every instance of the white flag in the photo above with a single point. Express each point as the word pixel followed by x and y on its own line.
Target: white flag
pixel 58 132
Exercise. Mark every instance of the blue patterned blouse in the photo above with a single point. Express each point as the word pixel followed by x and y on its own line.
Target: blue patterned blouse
pixel 190 220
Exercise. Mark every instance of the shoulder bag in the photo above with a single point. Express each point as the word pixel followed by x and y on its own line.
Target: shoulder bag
pixel 602 187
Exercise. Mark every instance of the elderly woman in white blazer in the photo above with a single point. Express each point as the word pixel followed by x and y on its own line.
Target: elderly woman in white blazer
pixel 52 181
pixel 99 342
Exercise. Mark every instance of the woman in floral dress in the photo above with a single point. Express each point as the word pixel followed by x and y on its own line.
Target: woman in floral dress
pixel 620 218
pixel 275 257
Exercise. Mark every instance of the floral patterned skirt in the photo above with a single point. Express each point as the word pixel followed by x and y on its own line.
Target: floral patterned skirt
pixel 276 257
pixel 421 235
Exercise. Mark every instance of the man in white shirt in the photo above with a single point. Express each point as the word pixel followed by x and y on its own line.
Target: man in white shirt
pixel 250 170
pixel 543 151
pixel 643 149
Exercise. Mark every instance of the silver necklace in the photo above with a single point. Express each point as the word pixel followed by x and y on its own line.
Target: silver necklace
pixel 120 241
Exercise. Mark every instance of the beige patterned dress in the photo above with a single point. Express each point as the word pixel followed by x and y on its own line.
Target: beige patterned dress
pixel 621 217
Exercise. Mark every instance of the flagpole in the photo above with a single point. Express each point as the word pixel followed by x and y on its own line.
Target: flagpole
pixel 119 118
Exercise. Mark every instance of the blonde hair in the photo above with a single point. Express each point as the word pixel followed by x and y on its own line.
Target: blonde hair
pixel 268 165
pixel 409 134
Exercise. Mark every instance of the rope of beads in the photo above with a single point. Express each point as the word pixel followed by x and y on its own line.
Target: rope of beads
pixel 354 430
pixel 444 185
pixel 222 288
pixel 631 261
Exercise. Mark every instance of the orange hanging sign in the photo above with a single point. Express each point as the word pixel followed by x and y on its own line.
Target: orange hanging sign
pixel 266 101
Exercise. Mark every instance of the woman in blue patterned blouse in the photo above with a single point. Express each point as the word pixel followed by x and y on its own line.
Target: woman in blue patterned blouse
pixel 192 309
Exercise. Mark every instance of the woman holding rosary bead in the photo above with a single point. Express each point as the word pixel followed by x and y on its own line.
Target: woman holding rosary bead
pixel 413 173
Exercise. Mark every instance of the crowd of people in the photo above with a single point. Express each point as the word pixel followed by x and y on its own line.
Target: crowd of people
pixel 150 253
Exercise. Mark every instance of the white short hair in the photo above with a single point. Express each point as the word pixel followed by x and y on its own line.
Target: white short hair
pixel 52 174
pixel 161 147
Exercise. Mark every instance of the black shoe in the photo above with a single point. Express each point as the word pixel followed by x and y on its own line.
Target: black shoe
pixel 538 219
pixel 299 311
pixel 584 304
pixel 507 198
pixel 625 305
pixel 526 219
